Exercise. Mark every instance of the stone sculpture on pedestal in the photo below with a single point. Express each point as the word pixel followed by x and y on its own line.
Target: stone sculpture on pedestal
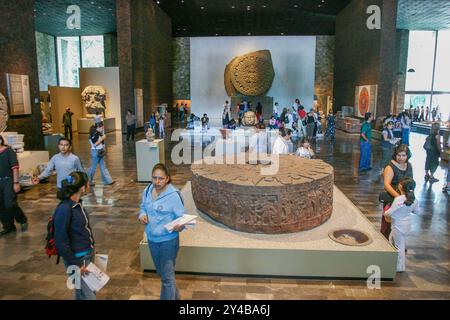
pixel 94 98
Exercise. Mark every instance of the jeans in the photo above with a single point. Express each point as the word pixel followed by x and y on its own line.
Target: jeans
pixel 84 293
pixel 405 136
pixel 9 209
pixel 365 155
pixel 164 255
pixel 130 131
pixel 106 177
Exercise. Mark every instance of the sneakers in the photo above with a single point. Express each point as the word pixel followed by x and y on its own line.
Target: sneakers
pixel 433 179
pixel 111 183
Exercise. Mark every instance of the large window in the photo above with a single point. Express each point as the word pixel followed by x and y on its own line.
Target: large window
pixel 420 58
pixel 68 61
pixel 442 69
pixel 92 51
pixel 428 77
pixel 76 52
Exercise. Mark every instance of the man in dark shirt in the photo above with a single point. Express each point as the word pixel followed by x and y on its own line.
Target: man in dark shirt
pixel 67 122
pixel 9 187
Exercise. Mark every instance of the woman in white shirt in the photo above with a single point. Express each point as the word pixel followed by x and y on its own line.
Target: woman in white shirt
pixel 280 145
pixel 400 215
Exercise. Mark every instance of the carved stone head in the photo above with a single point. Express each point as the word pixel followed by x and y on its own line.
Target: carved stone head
pixel 94 98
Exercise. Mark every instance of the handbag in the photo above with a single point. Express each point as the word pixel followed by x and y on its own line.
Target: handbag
pixel 100 152
pixel 385 198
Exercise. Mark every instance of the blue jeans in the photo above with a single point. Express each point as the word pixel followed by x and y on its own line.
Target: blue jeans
pixel 164 255
pixel 84 293
pixel 106 177
pixel 365 155
pixel 405 136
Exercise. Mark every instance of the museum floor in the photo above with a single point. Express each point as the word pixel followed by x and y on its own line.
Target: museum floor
pixel 26 273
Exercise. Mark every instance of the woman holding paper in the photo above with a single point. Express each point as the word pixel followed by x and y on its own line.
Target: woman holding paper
pixel 161 205
pixel 73 237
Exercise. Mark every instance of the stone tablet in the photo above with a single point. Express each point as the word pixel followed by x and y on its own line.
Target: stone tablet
pixel 299 197
pixel 3 113
pixel 251 74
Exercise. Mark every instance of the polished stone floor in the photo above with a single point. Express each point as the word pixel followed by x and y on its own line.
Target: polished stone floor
pixel 26 273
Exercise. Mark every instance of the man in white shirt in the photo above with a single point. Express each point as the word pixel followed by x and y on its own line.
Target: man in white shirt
pixel 275 110
pixel 280 145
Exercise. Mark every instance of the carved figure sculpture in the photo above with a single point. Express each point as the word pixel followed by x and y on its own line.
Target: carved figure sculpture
pixel 238 196
pixel 249 119
pixel 94 98
pixel 150 135
pixel 251 74
pixel 3 113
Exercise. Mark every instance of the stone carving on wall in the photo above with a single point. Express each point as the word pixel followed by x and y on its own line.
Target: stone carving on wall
pixel 3 113
pixel 250 75
pixel 299 197
pixel 94 98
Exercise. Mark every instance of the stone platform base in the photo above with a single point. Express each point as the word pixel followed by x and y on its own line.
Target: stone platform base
pixel 84 125
pixel 213 248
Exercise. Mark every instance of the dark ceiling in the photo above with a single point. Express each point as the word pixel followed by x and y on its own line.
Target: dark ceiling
pixel 218 17
pixel 97 17
pixel 255 17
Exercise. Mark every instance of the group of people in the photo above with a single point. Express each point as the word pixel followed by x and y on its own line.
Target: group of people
pixel 420 114
pixel 183 111
pixel 157 119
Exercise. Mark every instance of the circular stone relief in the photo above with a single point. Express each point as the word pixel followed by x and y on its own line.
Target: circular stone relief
pixel 350 237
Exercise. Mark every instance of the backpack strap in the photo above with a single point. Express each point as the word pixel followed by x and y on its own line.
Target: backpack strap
pixel 67 227
pixel 147 189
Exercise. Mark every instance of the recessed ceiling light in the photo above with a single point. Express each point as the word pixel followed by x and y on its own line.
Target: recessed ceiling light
pixel 202 8
pixel 232 7
pixel 92 2
pixel 249 33
pixel 99 7
pixel 249 8
pixel 282 33
pixel 264 6
pixel 157 2
pixel 295 5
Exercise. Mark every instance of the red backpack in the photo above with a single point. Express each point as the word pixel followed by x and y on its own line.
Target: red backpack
pixel 50 247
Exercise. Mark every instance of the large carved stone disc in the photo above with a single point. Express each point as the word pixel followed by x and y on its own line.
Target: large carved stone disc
pixel 3 113
pixel 298 197
pixel 252 74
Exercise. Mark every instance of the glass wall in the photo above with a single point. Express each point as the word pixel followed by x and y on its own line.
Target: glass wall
pixel 428 55
pixel 92 52
pixel 68 61
pixel 420 58
pixel 76 52
pixel 46 59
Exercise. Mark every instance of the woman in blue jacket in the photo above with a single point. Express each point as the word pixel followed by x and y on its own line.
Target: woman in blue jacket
pixel 161 204
pixel 72 231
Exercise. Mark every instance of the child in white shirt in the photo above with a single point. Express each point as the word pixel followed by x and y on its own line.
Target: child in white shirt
pixel 305 150
pixel 400 216
pixel 161 126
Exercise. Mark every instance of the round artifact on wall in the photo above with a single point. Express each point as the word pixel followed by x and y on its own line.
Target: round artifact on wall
pixel 251 74
pixel 94 98
pixel 3 113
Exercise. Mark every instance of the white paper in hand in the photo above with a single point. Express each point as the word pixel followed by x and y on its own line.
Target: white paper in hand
pixel 181 221
pixel 96 279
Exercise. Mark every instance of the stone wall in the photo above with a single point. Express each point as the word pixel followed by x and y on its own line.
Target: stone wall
pixel 323 84
pixel 144 38
pixel 46 58
pixel 18 56
pixel 110 50
pixel 402 65
pixel 363 56
pixel 182 68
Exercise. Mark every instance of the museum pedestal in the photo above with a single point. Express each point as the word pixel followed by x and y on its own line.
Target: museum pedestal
pixel 148 154
pixel 29 160
pixel 84 125
pixel 51 143
pixel 213 248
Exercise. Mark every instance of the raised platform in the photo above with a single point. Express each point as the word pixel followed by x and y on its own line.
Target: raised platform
pixel 84 125
pixel 213 248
